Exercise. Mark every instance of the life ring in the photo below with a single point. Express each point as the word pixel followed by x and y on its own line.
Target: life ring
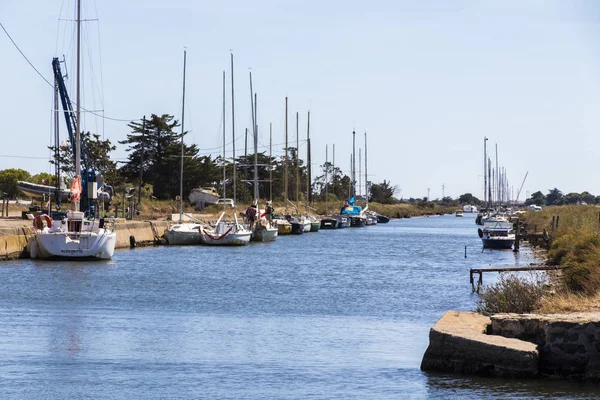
pixel 38 221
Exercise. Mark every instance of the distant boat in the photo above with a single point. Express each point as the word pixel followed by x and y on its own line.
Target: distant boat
pixel 37 190
pixel 183 233
pixel 329 223
pixel 199 197
pixel 458 213
pixel 497 234
pixel 469 209
pixel 382 219
pixel 226 233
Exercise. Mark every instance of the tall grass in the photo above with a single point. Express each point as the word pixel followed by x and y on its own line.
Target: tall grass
pixel 575 243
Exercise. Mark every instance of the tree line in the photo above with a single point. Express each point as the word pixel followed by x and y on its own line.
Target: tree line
pixel 154 153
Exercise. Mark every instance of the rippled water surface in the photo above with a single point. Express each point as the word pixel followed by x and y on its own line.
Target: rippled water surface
pixel 341 314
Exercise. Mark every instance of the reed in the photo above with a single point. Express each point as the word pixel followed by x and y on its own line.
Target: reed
pixel 575 243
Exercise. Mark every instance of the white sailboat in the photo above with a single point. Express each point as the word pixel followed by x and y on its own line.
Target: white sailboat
pixel 184 233
pixel 75 237
pixel 228 232
pixel 262 230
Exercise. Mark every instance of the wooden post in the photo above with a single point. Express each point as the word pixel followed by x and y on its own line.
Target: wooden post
pixel 517 237
pixel 552 223
pixel 557 218
pixel 465 249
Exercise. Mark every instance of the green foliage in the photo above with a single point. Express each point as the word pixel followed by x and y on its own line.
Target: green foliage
pixel 511 294
pixel 536 198
pixel 383 193
pixel 9 178
pixel 468 198
pixel 97 155
pixel 44 178
pixel 554 197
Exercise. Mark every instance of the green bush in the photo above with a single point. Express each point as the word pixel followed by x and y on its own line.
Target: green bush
pixel 511 294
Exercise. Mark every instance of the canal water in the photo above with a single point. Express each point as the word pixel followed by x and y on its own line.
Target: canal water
pixel 341 314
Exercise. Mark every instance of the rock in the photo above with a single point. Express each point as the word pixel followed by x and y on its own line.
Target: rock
pixel 458 343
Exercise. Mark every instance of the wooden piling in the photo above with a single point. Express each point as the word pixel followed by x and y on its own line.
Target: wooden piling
pixel 517 236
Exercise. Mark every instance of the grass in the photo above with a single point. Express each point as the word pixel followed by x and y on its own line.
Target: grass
pixel 575 244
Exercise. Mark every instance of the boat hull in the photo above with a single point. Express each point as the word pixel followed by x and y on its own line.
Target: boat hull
pixel 48 245
pixel 264 234
pixel 357 222
pixel 232 239
pixel 297 228
pixel 329 223
pixel 184 234
pixel 315 226
pixel 498 243
pixel 382 219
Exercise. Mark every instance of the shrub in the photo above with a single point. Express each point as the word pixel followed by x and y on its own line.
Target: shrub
pixel 511 294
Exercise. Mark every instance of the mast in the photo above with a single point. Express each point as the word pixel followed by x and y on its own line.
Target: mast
pixel 224 119
pixel 256 194
pixel 359 172
pixel 497 181
pixel 253 104
pixel 297 161
pixel 182 132
pixel 326 181
pixel 78 108
pixel 353 165
pixel 309 177
pixel 333 166
pixel 56 145
pixel 270 161
pixel 366 181
pixel 285 172
pixel 233 134
pixel 485 181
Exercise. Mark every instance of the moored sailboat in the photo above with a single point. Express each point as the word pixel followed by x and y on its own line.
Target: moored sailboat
pixel 77 236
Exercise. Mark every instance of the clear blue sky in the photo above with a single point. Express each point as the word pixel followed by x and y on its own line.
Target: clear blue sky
pixel 426 79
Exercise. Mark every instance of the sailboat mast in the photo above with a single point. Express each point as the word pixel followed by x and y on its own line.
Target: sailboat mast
pixel 285 178
pixel 233 134
pixel 78 108
pixel 182 133
pixel 256 194
pixel 366 179
pixel 353 166
pixel 326 180
pixel 297 160
pixel 253 104
pixel 270 161
pixel 224 119
pixel 56 145
pixel 497 180
pixel 308 161
pixel 485 181
pixel 359 172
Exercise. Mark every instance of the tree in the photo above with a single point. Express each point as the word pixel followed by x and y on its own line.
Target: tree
pixel 572 198
pixel 383 193
pixel 97 156
pixel 9 178
pixel 155 148
pixel 554 197
pixel 468 198
pixel 587 197
pixel 536 198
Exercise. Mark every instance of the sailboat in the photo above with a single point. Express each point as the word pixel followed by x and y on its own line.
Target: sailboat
pixel 228 232
pixel 183 233
pixel 262 230
pixel 77 236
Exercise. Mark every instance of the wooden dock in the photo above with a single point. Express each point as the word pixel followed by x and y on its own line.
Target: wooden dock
pixel 480 271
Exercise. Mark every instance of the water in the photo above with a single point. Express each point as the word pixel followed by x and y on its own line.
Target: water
pixel 341 314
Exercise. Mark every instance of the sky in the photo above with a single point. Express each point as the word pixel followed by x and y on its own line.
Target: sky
pixel 425 80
